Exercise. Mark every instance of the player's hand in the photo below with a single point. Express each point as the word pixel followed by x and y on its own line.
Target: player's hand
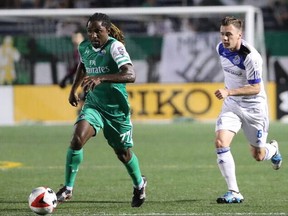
pixel 74 99
pixel 89 83
pixel 221 93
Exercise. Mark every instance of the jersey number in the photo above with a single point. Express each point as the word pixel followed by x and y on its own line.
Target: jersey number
pixel 126 137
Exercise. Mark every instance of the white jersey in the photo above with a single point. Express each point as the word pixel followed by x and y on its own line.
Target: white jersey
pixel 242 67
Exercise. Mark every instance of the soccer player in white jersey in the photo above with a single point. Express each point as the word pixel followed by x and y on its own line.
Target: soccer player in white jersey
pixel 244 106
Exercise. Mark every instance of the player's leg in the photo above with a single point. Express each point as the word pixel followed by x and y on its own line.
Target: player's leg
pixel 89 122
pixel 119 137
pixel 256 131
pixel 130 161
pixel 82 133
pixel 228 124
pixel 269 151
pixel 226 165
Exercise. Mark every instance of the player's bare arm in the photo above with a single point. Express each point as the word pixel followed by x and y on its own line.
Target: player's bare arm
pixel 126 75
pixel 80 74
pixel 252 89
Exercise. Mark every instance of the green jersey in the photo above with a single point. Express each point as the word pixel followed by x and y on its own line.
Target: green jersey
pixel 108 98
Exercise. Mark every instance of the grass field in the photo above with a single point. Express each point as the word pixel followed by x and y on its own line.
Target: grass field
pixel 178 159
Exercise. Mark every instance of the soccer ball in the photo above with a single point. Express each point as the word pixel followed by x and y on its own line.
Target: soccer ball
pixel 42 200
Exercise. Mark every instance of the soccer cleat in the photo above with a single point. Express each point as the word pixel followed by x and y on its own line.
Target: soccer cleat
pixel 231 197
pixel 63 194
pixel 277 158
pixel 139 195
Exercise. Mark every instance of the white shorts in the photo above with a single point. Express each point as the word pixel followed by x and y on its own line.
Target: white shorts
pixel 252 119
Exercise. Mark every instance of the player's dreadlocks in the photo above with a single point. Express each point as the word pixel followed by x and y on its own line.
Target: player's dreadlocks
pixel 115 32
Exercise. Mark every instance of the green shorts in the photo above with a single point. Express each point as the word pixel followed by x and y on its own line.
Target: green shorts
pixel 117 130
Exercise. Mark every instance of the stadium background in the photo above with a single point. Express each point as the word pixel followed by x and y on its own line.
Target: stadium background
pixel 35 96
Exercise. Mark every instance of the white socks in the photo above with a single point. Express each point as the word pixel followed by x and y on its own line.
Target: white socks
pixel 226 165
pixel 140 186
pixel 69 188
pixel 270 151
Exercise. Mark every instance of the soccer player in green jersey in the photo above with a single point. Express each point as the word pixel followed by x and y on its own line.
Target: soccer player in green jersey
pixel 104 69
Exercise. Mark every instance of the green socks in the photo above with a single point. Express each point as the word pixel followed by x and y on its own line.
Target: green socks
pixel 73 160
pixel 134 170
pixel 75 157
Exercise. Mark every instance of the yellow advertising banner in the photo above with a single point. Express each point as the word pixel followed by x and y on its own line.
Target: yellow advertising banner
pixel 148 102
pixel 168 101
pixel 42 103
pixel 188 100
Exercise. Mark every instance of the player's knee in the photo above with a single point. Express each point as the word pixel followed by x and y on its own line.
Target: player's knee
pixel 76 142
pixel 123 155
pixel 258 156
pixel 257 153
pixel 219 143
